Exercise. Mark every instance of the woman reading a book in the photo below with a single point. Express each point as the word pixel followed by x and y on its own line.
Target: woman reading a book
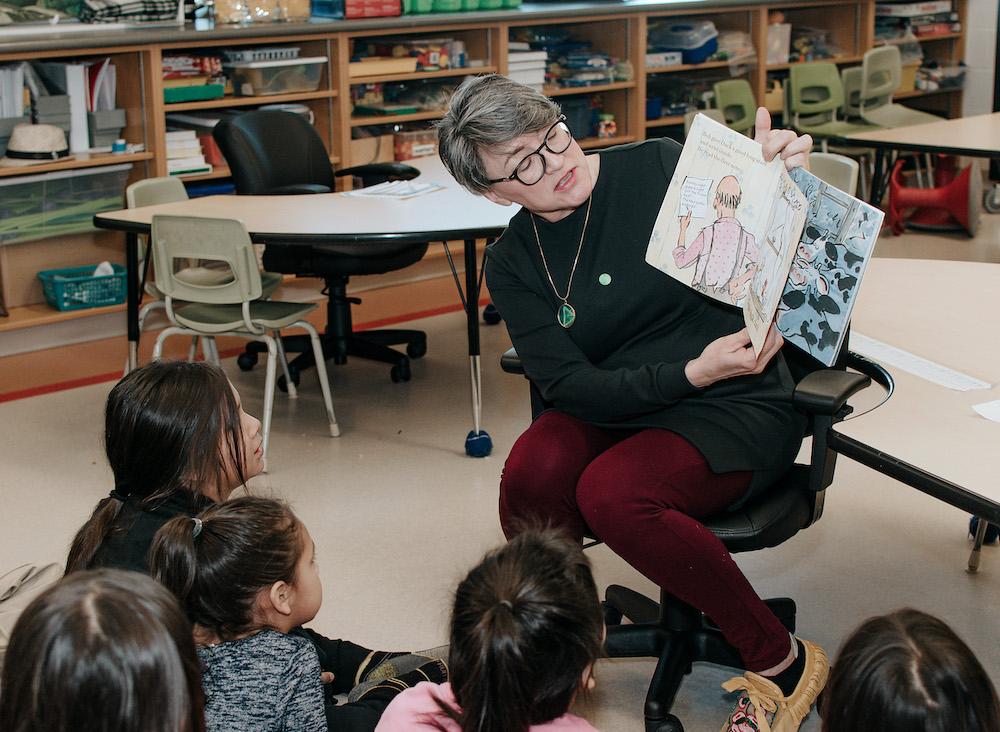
pixel 662 414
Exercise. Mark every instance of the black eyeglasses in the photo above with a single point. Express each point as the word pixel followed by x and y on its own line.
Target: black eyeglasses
pixel 531 169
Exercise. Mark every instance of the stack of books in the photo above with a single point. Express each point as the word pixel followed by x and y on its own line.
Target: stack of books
pixel 188 78
pixel 184 155
pixel 526 66
pixel 928 18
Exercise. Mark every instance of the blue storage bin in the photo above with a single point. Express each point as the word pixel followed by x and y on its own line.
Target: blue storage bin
pixel 654 107
pixel 76 288
pixel 327 8
pixel 696 40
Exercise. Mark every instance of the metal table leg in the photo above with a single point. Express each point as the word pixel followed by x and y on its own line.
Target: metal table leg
pixel 977 546
pixel 132 297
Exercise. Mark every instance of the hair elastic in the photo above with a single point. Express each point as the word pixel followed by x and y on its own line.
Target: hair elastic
pixel 117 495
pixel 507 604
pixel 197 528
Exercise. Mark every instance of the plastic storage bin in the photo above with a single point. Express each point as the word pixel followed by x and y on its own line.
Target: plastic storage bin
pixel 59 203
pixel 76 288
pixel 414 7
pixel 284 76
pixel 328 8
pixel 579 116
pixel 696 40
pixel 447 6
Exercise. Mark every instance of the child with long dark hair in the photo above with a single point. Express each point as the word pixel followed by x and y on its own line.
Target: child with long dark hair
pixel 178 441
pixel 908 671
pixel 245 572
pixel 102 650
pixel 526 629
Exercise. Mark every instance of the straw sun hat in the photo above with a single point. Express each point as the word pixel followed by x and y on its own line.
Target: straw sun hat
pixel 34 145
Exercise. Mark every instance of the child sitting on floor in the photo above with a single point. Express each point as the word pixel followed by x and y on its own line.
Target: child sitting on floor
pixel 102 650
pixel 245 572
pixel 908 671
pixel 526 629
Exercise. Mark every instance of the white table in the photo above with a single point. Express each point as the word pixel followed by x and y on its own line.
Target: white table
pixel 927 435
pixel 448 214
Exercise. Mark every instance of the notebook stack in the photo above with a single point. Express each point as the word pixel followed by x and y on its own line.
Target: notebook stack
pixel 526 66
pixel 184 154
pixel 54 109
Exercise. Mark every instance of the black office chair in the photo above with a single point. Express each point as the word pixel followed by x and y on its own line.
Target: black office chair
pixel 680 635
pixel 273 152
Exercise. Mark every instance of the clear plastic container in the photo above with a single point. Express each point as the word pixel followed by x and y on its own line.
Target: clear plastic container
pixel 696 40
pixel 263 78
pixel 415 144
pixel 268 53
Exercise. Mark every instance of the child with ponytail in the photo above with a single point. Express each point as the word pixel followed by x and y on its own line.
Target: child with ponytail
pixel 245 572
pixel 526 629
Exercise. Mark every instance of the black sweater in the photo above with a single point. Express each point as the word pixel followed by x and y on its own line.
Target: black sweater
pixel 622 362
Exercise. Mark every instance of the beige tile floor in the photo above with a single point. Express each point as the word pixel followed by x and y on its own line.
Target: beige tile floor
pixel 399 512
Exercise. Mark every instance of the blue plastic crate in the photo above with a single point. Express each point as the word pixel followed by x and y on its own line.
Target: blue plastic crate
pixel 76 288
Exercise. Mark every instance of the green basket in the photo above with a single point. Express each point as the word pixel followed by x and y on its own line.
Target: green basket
pixel 76 288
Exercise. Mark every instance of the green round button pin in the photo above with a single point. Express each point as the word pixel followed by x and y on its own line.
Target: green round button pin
pixel 604 279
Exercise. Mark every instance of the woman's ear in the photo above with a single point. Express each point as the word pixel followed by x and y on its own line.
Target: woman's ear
pixel 492 195
pixel 279 597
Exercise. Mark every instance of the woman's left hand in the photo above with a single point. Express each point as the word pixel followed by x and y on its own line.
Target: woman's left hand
pixel 793 149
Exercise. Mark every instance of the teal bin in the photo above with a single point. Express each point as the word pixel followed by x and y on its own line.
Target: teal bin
pixel 490 4
pixel 447 6
pixel 415 7
pixel 511 4
pixel 76 288
pixel 470 4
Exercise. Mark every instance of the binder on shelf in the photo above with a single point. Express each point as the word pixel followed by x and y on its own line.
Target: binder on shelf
pixel 71 80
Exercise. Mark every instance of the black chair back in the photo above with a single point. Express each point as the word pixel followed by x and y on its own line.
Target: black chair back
pixel 269 149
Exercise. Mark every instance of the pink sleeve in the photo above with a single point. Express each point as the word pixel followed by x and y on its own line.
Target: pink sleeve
pixel 417 709
pixel 689 254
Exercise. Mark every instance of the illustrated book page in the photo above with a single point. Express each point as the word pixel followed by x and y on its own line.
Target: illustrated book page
pixel 830 260
pixel 729 224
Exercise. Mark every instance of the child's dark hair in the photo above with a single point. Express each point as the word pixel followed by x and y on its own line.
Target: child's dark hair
pixel 102 650
pixel 909 671
pixel 163 432
pixel 526 625
pixel 217 563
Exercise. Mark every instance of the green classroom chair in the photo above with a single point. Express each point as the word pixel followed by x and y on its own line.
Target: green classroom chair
pixel 233 307
pixel 815 97
pixel 881 69
pixel 711 113
pixel 735 99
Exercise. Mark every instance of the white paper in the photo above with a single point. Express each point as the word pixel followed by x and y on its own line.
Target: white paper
pixel 694 197
pixel 398 189
pixel 914 364
pixel 990 410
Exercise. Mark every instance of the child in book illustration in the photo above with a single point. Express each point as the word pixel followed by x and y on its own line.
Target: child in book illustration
pixel 724 254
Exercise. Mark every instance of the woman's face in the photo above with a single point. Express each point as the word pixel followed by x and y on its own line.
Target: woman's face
pixel 567 183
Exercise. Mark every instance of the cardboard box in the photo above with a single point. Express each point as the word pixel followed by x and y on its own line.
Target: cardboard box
pixel 372 150
pixel 908 77
pixel 660 59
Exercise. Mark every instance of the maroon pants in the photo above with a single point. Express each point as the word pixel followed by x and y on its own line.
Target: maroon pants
pixel 642 494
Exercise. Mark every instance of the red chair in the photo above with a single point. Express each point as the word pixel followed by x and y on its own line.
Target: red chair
pixel 951 205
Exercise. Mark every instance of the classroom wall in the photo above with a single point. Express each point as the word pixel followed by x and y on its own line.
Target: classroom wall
pixel 980 50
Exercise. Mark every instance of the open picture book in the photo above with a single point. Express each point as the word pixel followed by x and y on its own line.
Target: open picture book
pixel 784 247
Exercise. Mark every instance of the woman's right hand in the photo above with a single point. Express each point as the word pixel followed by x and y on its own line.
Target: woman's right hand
pixel 731 356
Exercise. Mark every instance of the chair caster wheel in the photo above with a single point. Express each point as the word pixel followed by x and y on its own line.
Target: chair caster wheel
pixel 399 373
pixel 296 378
pixel 491 316
pixel 246 361
pixel 417 349
pixel 612 615
pixel 670 724
pixel 991 200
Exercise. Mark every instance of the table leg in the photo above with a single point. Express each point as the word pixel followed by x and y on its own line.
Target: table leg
pixel 977 546
pixel 876 192
pixel 477 442
pixel 132 295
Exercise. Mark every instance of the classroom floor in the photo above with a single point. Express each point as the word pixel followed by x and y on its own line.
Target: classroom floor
pixel 399 512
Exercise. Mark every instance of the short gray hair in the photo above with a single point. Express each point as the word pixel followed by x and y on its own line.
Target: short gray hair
pixel 486 111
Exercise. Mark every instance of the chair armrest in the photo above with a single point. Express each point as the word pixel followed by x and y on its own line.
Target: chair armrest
pixel 826 391
pixel 372 173
pixel 510 362
pixel 297 189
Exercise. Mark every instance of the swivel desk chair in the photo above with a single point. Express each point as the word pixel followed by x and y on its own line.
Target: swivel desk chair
pixel 273 152
pixel 679 635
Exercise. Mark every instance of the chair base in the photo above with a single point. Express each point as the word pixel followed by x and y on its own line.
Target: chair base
pixel 676 634
pixel 373 345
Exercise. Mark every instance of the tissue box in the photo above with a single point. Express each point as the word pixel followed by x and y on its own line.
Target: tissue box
pixel 104 127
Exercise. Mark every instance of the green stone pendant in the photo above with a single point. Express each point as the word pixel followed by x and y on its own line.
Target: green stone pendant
pixel 566 315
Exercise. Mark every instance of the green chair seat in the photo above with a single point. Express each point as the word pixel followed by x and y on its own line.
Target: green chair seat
pixel 222 318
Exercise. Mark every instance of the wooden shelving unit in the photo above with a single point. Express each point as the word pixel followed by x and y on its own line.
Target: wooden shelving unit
pixel 620 31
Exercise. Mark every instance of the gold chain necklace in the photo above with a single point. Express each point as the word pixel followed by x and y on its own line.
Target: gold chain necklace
pixel 565 314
